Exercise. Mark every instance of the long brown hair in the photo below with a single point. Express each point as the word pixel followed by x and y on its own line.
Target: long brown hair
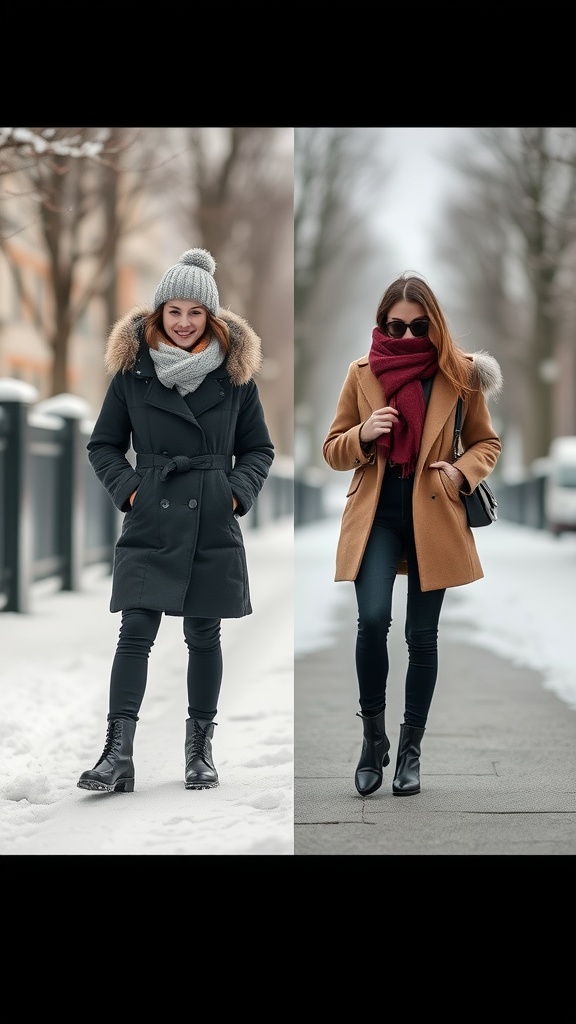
pixel 154 329
pixel 451 359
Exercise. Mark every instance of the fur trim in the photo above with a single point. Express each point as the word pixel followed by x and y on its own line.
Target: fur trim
pixel 122 345
pixel 244 359
pixel 488 374
pixel 245 356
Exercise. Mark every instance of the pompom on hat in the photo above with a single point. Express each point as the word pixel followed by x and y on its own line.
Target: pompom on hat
pixel 191 278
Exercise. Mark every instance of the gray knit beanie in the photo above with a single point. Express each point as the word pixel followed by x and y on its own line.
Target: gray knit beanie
pixel 191 278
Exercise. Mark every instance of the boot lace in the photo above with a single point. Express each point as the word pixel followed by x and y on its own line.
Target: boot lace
pixel 198 745
pixel 112 741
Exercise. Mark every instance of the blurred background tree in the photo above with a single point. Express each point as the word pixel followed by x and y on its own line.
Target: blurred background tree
pixel 238 196
pixel 91 217
pixel 503 241
pixel 336 171
pixel 69 192
pixel 511 247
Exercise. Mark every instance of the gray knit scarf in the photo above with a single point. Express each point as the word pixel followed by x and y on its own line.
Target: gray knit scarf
pixel 185 370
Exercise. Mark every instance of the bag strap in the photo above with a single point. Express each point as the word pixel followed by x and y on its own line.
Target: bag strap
pixel 457 429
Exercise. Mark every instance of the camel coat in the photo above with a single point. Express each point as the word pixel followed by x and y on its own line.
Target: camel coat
pixel 445 546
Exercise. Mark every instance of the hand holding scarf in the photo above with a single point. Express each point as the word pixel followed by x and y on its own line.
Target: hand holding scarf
pixel 401 365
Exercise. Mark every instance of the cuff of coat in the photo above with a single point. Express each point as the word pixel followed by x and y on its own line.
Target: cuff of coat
pixel 368 452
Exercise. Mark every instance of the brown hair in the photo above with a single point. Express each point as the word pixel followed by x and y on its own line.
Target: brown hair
pixel 154 329
pixel 451 359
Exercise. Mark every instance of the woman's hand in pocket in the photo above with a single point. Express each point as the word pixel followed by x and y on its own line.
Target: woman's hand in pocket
pixel 451 471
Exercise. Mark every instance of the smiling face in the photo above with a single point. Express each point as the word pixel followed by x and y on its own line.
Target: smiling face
pixel 184 322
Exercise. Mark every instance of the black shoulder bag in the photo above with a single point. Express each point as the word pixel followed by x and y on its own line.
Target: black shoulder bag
pixel 481 505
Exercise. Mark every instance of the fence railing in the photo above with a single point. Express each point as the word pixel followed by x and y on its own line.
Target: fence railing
pixel 56 518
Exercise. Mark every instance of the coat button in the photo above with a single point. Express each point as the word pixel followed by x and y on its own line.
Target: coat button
pixel 192 503
pixel 164 503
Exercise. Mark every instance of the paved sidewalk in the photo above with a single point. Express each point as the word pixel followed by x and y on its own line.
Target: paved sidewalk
pixel 498 770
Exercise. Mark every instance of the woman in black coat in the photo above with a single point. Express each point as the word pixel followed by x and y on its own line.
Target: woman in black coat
pixel 183 402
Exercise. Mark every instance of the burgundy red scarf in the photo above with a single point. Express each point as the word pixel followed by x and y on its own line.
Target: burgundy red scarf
pixel 401 366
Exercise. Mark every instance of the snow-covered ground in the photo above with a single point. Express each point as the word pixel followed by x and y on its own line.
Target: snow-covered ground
pixel 53 703
pixel 56 664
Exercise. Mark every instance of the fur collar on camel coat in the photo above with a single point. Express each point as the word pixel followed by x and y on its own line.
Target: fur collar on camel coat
pixel 445 545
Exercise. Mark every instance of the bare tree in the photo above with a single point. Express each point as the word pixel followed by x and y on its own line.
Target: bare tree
pixel 25 146
pixel 521 228
pixel 81 194
pixel 337 172
pixel 476 246
pixel 237 201
pixel 76 195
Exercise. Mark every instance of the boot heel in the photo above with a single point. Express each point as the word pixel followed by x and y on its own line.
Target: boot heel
pixel 125 786
pixel 386 761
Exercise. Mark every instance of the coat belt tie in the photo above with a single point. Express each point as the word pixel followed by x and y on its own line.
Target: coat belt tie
pixel 183 463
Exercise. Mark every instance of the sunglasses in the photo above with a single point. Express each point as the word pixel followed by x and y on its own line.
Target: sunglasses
pixel 398 328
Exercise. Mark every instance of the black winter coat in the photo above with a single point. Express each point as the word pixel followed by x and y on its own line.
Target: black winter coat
pixel 181 549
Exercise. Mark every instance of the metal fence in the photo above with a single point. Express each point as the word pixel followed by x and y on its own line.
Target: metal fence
pixel 56 518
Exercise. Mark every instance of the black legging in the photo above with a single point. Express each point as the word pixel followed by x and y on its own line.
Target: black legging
pixel 138 632
pixel 391 534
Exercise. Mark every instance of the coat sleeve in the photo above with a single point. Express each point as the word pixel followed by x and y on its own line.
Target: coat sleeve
pixel 342 448
pixel 253 450
pixel 109 442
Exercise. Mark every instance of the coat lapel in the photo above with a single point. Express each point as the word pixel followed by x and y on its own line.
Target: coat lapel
pixel 441 405
pixel 211 392
pixel 168 399
pixel 369 385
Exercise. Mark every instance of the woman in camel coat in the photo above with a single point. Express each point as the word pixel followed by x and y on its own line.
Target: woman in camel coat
pixel 394 427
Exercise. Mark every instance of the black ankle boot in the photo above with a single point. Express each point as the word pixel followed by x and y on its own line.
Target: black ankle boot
pixel 200 770
pixel 407 775
pixel 115 769
pixel 374 756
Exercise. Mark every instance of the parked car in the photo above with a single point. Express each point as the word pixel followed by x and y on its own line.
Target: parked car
pixel 560 487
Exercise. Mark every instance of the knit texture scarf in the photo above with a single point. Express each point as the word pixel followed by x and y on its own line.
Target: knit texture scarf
pixel 401 366
pixel 185 370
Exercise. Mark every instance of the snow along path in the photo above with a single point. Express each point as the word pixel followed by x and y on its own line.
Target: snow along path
pixel 53 703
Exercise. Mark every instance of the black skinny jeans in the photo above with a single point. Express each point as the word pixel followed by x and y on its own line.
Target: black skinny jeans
pixel 138 632
pixel 392 533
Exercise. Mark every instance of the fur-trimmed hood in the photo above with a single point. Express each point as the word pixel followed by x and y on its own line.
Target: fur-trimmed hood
pixel 243 361
pixel 487 373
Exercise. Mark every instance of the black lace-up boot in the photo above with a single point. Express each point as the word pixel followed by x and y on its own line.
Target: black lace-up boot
pixel 407 775
pixel 200 770
pixel 115 769
pixel 374 755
